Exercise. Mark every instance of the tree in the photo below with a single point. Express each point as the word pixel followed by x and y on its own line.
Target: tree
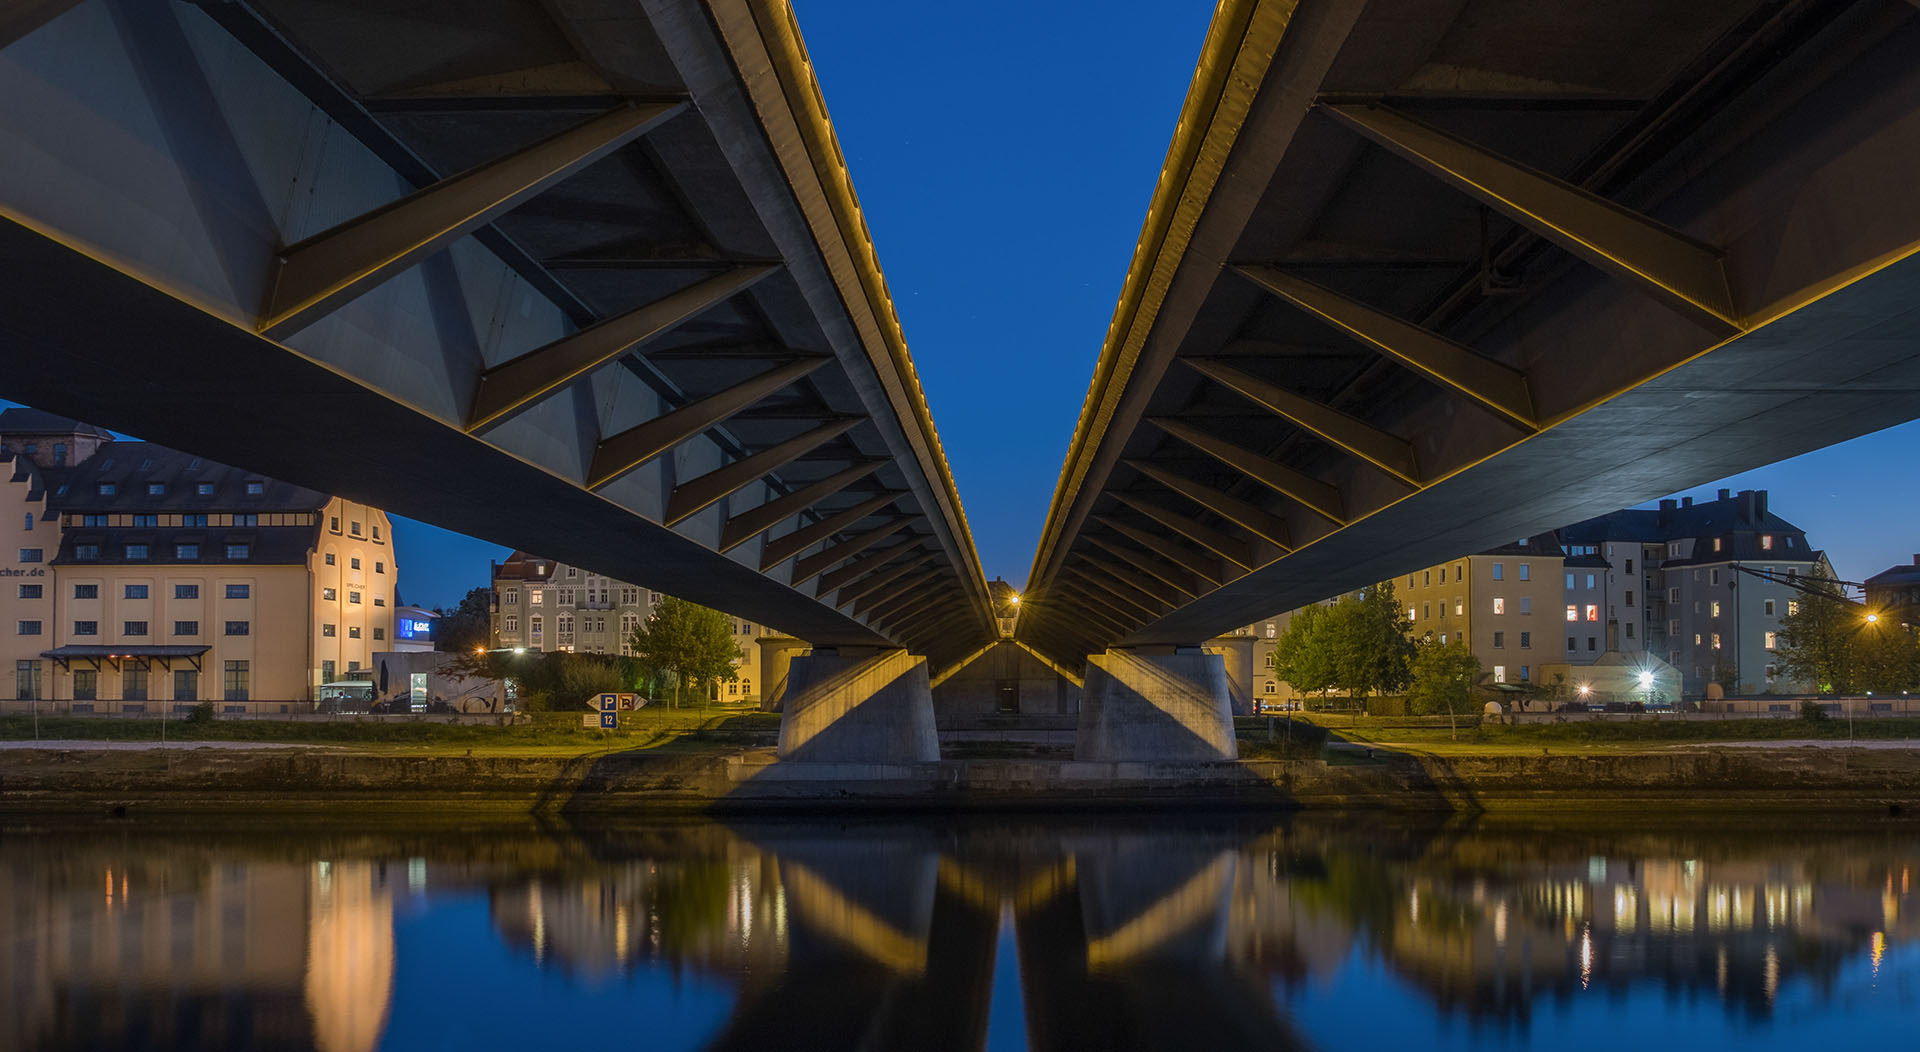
pixel 1374 648
pixel 687 643
pixel 468 626
pixel 1442 677
pixel 1303 656
pixel 1816 640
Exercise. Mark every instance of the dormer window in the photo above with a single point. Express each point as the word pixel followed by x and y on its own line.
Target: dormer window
pixel 156 489
pixel 255 487
pixel 106 489
pixel 204 489
pixel 1766 542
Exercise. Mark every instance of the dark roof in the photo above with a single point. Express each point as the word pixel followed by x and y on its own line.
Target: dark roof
pixel 1896 575
pixel 25 420
pixel 1543 544
pixel 96 650
pixel 523 567
pixel 1739 519
pixel 266 545
pixel 131 467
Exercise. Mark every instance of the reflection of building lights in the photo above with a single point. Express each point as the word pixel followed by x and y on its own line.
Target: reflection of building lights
pixel 1413 906
pixel 1500 925
pixel 1586 957
pixel 1720 970
pixel 1879 951
pixel 1772 973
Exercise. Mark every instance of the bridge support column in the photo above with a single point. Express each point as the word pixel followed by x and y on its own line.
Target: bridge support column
pixel 858 706
pixel 1171 705
pixel 777 654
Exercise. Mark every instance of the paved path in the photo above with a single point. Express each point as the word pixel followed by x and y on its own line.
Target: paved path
pixel 1814 743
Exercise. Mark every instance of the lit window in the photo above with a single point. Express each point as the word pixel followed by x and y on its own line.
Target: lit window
pixel 329 594
pixel 1573 613
pixel 1499 673
pixel 533 598
pixel 1459 606
pixel 1593 612
pixel 1411 614
pixel 1716 641
pixel 1773 640
pixel 328 630
pixel 1716 544
pixel 1793 607
pixel 1499 604
pixel 1716 608
pixel 1766 542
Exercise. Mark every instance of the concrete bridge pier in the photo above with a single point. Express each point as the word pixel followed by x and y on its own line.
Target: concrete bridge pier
pixel 858 705
pixel 1163 703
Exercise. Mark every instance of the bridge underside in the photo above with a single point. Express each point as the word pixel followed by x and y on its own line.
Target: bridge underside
pixel 590 282
pixel 1422 278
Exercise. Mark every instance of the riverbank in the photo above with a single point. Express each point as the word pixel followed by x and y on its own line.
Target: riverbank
pixel 81 777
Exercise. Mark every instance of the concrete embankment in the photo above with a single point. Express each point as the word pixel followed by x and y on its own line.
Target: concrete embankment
pixel 1880 780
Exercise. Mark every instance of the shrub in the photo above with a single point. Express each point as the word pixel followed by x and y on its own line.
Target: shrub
pixel 1812 712
pixel 202 714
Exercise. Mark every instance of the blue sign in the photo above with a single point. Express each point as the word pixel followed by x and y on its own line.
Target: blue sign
pixel 408 628
pixel 609 721
pixel 609 702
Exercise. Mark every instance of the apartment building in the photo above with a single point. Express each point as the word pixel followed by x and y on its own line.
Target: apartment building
pixel 1702 586
pixel 141 574
pixel 1504 602
pixel 541 604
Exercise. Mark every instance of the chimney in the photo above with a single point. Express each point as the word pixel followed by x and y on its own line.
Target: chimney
pixel 1916 559
pixel 1686 502
pixel 1760 503
pixel 1750 504
pixel 1724 494
pixel 1665 513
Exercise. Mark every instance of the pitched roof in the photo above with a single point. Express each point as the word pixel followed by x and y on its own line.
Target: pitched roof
pixel 26 420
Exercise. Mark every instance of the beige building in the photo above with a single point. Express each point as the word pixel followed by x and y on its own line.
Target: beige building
pixel 1505 602
pixel 141 574
pixel 540 604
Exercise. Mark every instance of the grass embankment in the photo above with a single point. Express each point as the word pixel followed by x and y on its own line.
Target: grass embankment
pixel 1608 735
pixel 544 732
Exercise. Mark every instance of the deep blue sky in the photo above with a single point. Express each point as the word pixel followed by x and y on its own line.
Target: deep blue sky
pixel 1005 152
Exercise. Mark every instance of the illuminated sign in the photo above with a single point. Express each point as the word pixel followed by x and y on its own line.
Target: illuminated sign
pixel 408 628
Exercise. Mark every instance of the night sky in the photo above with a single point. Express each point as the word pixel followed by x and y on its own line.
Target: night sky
pixel 1005 161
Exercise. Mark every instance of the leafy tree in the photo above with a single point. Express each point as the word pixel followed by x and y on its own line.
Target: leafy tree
pixel 1375 653
pixel 1817 641
pixel 1885 658
pixel 1303 655
pixel 1442 677
pixel 468 626
pixel 688 644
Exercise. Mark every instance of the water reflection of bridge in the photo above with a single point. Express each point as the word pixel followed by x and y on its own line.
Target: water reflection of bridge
pixel 888 935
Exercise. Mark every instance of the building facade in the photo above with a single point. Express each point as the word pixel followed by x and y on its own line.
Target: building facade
pixel 141 574
pixel 540 604
pixel 1504 602
pixel 1894 594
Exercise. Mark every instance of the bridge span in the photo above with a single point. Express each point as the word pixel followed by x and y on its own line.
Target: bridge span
pixel 580 278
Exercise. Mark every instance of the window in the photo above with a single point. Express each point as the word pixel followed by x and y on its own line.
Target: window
pixel 1773 640
pixel 1696 639
pixel 1459 606
pixel 86 591
pixel 1716 641
pixel 59 454
pixel 1499 604
pixel 255 487
pixel 1714 576
pixel 135 591
pixel 1766 606
pixel 186 628
pixel 238 628
pixel 29 628
pixel 329 594
pixel 1629 630
pixel 1629 597
pixel 239 591
pixel 1443 575
pixel 573 571
pixel 238 551
pixel 1673 595
pixel 133 682
pixel 1499 640
pixel 26 680
pixel 1426 577
pixel 333 524
pixel 1413 613
pixel 186 551
pixel 354 563
pixel 1593 611
pixel 193 520
pixel 330 559
pixel 30 555
pixel 1590 642
pixel 353 597
pixel 1716 544
pixel 1569 581
pixel 1572 644
pixel 1269 688
pixel 204 489
pixel 86 552
pixel 354 528
pixel 511 598
pixel 379 633
pixel 1499 571
pixel 86 684
pixel 30 591
pixel 106 489
pixel 1793 607
pixel 326 671
pixel 353 631
pixel 510 624
pixel 1716 608
pixel 1766 542
pixel 379 567
pixel 534 598
pixel 535 626
pixel 86 628
pixel 1526 604
pixel 133 628
pixel 379 601
pixel 1459 571
pixel 1426 611
pixel 186 591
pixel 328 631
pixel 186 684
pixel 236 681
pixel 1573 613
pixel 1526 571
pixel 1673 628
pixel 1499 673
pixel 136 552
pixel 376 533
pixel 1589 580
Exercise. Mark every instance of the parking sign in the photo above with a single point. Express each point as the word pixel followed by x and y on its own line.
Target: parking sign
pixel 609 721
pixel 609 703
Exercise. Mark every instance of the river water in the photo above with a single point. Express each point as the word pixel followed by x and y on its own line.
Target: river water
pixel 1125 932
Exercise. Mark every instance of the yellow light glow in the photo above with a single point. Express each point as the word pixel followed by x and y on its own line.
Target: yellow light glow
pixel 1872 618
